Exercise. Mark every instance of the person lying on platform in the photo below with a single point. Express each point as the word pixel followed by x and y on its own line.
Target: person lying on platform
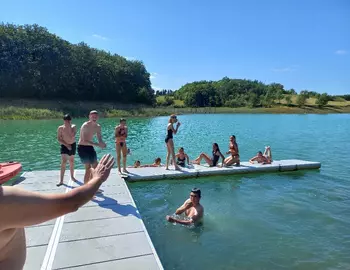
pixel 193 210
pixel 212 161
pixel 181 157
pixel 265 158
pixel 157 163
pixel 21 208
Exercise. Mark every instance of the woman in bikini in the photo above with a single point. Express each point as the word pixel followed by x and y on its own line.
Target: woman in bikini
pixel 265 158
pixel 181 157
pixel 169 140
pixel 233 150
pixel 121 133
pixel 212 161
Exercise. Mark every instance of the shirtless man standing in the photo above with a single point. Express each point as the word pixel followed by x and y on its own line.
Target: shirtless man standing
pixel 66 137
pixel 86 149
pixel 21 208
pixel 192 208
pixel 121 133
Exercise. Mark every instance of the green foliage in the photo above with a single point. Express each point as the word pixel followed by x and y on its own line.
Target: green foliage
pixel 37 64
pixel 301 100
pixel 322 100
pixel 288 100
pixel 166 101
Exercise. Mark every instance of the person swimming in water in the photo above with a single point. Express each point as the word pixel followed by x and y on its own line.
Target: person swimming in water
pixel 265 158
pixel 169 140
pixel 193 210
pixel 233 159
pixel 121 133
pixel 212 161
pixel 181 157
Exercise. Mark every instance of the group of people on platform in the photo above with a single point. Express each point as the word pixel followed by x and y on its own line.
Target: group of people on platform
pixel 66 137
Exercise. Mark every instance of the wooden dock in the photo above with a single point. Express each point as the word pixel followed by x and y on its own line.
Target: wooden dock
pixel 106 233
pixel 159 173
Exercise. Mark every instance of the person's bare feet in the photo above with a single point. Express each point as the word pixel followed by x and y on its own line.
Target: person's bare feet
pixel 59 184
pixel 195 162
pixel 125 171
pixel 74 179
pixel 177 168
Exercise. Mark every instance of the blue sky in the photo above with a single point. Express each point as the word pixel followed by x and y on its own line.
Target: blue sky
pixel 302 44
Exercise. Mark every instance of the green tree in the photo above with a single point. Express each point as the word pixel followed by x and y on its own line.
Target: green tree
pixel 322 100
pixel 288 99
pixel 301 100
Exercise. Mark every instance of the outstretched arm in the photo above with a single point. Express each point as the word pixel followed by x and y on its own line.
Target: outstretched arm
pixel 20 208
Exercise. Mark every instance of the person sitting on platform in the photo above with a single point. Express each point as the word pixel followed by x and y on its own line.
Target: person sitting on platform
pixel 21 208
pixel 181 157
pixel 193 210
pixel 265 158
pixel 212 161
pixel 233 159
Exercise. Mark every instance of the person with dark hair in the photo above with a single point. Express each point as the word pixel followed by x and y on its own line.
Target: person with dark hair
pixel 265 158
pixel 212 161
pixel 121 133
pixel 234 153
pixel 193 210
pixel 66 137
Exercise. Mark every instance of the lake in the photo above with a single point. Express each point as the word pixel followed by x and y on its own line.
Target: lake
pixel 294 220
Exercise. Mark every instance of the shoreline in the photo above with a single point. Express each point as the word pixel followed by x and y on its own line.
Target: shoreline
pixel 36 110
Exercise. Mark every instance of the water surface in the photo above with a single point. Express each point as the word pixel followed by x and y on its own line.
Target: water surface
pixel 297 220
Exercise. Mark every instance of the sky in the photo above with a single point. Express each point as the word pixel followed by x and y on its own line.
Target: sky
pixel 302 44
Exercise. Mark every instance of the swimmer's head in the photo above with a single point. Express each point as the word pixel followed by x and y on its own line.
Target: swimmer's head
pixel 157 161
pixel 173 118
pixel 137 164
pixel 93 116
pixel 232 138
pixel 122 121
pixel 259 153
pixel 67 117
pixel 195 195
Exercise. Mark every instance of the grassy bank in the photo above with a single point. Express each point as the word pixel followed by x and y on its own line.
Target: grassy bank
pixel 35 109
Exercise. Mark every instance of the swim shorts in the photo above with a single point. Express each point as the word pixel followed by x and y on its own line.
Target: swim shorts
pixel 87 154
pixel 65 151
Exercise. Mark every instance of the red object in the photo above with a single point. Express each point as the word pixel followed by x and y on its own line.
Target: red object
pixel 9 170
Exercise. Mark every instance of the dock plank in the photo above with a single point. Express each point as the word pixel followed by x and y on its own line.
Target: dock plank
pixel 106 233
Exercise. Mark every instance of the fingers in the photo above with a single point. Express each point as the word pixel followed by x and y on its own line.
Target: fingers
pixel 110 163
pixel 107 160
pixel 103 159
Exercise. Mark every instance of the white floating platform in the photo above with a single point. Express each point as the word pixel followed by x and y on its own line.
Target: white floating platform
pixel 158 173
pixel 106 233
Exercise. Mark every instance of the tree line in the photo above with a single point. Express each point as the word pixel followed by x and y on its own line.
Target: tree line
pixel 35 63
pixel 243 93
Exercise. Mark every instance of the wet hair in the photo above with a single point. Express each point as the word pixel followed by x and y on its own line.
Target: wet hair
pixel 158 159
pixel 217 146
pixel 181 148
pixel 233 136
pixel 67 117
pixel 137 161
pixel 197 191
pixel 122 120
pixel 260 153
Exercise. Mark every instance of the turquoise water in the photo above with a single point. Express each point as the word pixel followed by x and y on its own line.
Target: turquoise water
pixel 298 220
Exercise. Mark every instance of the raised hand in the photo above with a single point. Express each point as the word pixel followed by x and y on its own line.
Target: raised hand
pixel 103 168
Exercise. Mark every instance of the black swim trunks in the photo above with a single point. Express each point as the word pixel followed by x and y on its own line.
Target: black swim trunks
pixel 87 154
pixel 65 151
